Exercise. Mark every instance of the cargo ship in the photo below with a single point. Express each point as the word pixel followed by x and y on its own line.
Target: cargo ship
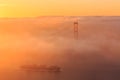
pixel 41 68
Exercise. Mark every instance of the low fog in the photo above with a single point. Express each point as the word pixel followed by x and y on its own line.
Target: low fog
pixel 50 41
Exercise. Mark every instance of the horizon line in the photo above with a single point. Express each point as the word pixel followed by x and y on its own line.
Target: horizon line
pixel 55 16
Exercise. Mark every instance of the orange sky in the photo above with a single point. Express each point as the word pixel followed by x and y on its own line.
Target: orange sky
pixel 33 8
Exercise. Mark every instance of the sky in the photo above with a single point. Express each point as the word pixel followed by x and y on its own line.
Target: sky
pixel 33 8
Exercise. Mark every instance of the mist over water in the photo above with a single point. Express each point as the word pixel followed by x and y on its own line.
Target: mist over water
pixel 50 41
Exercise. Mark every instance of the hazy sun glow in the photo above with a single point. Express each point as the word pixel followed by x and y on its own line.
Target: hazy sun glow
pixel 32 8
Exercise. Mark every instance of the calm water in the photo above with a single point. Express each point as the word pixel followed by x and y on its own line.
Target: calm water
pixel 65 75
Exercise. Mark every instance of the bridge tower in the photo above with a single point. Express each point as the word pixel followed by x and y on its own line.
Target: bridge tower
pixel 76 30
